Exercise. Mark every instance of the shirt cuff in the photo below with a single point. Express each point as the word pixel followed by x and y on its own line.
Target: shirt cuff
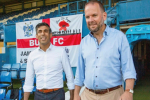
pixel 70 86
pixel 129 76
pixel 79 83
pixel 28 88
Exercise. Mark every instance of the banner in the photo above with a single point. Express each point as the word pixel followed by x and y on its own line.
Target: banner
pixel 67 33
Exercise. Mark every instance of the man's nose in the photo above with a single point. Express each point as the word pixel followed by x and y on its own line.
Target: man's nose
pixel 91 19
pixel 43 33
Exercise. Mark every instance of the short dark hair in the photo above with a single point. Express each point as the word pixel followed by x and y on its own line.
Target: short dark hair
pixel 43 24
pixel 95 1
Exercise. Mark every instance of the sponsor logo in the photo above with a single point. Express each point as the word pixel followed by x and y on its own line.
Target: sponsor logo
pixel 63 25
pixel 28 30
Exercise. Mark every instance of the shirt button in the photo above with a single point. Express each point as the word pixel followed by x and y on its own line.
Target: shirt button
pixel 96 76
pixel 96 66
pixel 96 85
pixel 97 57
pixel 97 48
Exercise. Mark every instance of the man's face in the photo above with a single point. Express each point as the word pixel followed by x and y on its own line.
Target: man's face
pixel 94 17
pixel 43 35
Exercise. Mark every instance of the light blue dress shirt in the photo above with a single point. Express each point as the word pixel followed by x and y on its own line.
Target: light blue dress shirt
pixel 104 65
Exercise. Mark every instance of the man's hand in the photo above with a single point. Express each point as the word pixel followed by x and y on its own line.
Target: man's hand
pixel 126 96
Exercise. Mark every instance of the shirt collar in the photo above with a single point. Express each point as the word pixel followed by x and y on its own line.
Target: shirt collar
pixel 105 33
pixel 49 48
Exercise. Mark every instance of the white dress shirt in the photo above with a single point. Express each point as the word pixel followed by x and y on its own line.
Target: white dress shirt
pixel 48 67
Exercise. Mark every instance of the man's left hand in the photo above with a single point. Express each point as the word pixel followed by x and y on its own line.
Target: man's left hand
pixel 126 96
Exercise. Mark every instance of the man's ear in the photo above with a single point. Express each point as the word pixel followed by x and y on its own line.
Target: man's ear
pixel 104 16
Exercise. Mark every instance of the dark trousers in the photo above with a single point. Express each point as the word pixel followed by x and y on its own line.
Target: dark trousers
pixel 55 95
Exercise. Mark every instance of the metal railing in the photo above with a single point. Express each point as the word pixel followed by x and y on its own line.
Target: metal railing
pixel 78 6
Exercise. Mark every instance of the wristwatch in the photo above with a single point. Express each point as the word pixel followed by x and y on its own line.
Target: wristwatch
pixel 130 90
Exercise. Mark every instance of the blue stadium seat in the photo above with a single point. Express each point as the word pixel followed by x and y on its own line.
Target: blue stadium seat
pixel 65 14
pixel 22 71
pixel 5 79
pixel 2 94
pixel 6 67
pixel 72 13
pixel 15 71
pixel 8 94
pixel 80 12
pixel 24 65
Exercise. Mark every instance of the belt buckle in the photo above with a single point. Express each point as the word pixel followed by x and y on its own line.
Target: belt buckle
pixel 100 91
pixel 96 91
pixel 43 90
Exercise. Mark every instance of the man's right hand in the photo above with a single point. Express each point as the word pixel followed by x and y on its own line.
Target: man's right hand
pixel 77 97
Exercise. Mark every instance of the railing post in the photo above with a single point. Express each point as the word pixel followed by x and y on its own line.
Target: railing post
pixel 109 3
pixel 5 43
pixel 118 26
pixel 67 8
pixel 43 2
pixel 59 9
pixel 77 6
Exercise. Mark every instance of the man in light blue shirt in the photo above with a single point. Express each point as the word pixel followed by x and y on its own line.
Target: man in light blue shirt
pixel 104 60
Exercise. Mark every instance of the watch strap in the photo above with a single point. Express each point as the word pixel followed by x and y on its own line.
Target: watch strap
pixel 130 90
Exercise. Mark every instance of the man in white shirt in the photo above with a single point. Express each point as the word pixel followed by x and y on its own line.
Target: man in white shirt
pixel 47 63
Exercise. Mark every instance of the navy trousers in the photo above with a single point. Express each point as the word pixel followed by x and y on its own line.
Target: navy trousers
pixel 55 95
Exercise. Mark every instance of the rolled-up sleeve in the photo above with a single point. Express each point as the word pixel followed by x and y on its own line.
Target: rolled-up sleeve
pixel 80 71
pixel 29 79
pixel 67 70
pixel 128 69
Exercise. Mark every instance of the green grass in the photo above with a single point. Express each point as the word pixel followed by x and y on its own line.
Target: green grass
pixel 142 89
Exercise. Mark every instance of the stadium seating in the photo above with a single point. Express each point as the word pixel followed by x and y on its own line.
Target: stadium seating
pixel 8 94
pixel 2 94
pixel 5 79
pixel 6 67
pixel 22 71
pixel 15 71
